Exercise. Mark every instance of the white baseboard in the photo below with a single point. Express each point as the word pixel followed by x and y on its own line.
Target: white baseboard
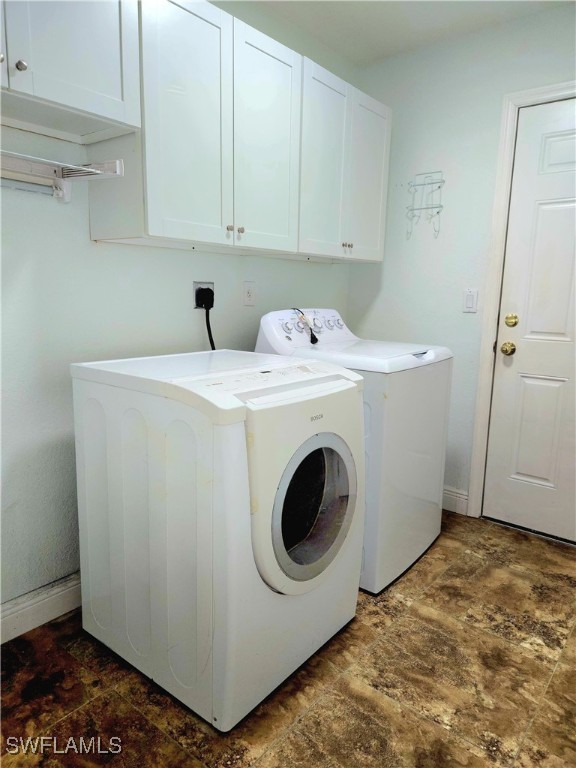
pixel 455 500
pixel 30 611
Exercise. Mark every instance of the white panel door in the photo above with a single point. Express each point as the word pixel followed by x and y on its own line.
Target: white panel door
pixel 326 117
pixel 367 178
pixel 530 473
pixel 80 54
pixel 267 108
pixel 187 74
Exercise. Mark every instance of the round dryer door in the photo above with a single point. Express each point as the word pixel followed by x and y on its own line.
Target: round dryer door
pixel 313 507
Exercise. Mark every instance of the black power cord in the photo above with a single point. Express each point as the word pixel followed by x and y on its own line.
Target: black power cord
pixel 205 300
pixel 313 337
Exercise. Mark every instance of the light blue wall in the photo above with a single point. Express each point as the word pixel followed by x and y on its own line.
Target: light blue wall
pixel 67 299
pixel 446 104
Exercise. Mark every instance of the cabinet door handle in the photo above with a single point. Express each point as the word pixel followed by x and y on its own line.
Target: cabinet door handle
pixel 230 228
pixel 2 58
pixel 21 65
pixel 344 245
pixel 350 245
pixel 241 230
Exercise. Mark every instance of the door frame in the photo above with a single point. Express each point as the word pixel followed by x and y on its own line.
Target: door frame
pixel 495 270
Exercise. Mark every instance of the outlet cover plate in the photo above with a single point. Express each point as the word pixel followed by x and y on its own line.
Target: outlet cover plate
pixel 249 293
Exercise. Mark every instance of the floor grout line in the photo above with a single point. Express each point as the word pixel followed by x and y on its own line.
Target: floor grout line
pixel 543 696
pixel 420 716
pixel 553 665
pixel 201 763
pixel 327 690
pixel 315 703
pixel 75 710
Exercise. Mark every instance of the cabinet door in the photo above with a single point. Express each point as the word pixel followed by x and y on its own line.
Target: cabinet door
pixel 187 77
pixel 367 178
pixel 3 52
pixel 82 55
pixel 326 116
pixel 267 93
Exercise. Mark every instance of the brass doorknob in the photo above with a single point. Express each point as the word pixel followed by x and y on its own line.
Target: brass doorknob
pixel 508 348
pixel 511 320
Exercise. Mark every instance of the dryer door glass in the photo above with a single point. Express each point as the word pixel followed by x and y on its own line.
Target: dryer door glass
pixel 314 506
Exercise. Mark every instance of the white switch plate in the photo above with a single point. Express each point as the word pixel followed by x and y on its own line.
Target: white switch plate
pixel 470 300
pixel 249 293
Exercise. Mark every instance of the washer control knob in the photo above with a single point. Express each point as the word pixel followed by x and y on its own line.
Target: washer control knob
pixel 300 326
pixel 317 324
pixel 339 323
pixel 329 324
pixel 288 327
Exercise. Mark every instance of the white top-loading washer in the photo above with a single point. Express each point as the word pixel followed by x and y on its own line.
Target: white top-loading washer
pixel 406 401
pixel 221 517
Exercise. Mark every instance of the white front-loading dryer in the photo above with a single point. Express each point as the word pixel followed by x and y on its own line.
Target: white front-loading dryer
pixel 406 402
pixel 221 514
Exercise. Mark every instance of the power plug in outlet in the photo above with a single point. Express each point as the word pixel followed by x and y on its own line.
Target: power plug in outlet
pixel 198 285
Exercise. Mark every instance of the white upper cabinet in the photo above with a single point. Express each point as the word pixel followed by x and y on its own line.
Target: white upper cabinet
pixel 83 56
pixel 343 184
pixel 243 148
pixel 187 73
pixel 366 185
pixel 267 99
pixel 222 129
pixel 326 117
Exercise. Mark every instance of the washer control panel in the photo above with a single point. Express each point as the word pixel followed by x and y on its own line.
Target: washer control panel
pixel 285 330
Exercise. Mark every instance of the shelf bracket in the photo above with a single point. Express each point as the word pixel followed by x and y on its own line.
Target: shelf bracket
pixel 59 176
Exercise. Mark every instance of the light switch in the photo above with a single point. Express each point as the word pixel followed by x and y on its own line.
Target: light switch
pixel 470 303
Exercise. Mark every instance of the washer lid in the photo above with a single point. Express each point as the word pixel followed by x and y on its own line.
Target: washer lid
pixel 379 356
pixel 221 384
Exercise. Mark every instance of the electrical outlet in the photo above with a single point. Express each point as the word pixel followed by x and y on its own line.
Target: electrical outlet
pixel 200 285
pixel 249 293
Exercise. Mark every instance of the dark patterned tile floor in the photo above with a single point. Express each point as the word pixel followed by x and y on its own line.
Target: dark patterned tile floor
pixel 466 661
